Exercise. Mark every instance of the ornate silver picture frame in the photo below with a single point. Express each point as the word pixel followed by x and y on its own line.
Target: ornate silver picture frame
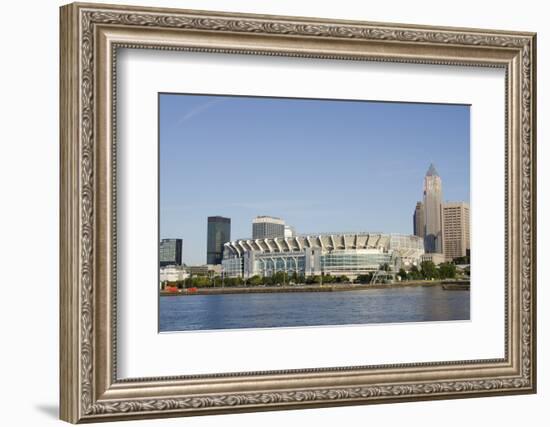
pixel 91 35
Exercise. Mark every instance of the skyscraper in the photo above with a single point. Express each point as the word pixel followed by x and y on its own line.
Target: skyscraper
pixel 267 227
pixel 432 211
pixel 419 222
pixel 456 229
pixel 218 233
pixel 170 252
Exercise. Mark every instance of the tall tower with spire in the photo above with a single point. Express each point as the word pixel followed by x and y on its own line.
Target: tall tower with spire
pixel 432 211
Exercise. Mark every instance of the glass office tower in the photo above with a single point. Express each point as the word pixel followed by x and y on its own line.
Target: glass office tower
pixel 418 220
pixel 219 233
pixel 170 252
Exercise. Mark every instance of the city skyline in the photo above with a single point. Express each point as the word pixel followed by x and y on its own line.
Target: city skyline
pixel 319 165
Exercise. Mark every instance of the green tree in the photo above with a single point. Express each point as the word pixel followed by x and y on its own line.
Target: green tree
pixel 310 279
pixel 342 279
pixel 317 279
pixel 280 278
pixel 415 273
pixel 364 278
pixel 255 281
pixel 233 281
pixel 402 274
pixel 447 270
pixel 200 282
pixel 428 270
pixel 327 278
pixel 462 260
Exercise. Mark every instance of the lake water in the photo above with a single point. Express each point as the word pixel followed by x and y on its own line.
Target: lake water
pixel 271 310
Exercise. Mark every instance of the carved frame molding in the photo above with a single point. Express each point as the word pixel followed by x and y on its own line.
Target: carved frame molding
pixel 90 37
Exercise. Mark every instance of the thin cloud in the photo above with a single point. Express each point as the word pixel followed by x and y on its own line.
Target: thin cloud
pixel 198 110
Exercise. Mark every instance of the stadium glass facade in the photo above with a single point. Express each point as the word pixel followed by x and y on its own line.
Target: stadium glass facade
pixel 336 254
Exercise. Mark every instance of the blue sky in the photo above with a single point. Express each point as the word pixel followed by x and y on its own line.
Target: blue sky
pixel 322 165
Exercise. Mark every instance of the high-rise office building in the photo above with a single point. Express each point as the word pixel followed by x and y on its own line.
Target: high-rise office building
pixel 267 227
pixel 218 233
pixel 456 229
pixel 170 252
pixel 432 211
pixel 418 220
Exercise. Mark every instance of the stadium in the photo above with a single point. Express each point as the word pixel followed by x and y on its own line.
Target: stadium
pixel 337 254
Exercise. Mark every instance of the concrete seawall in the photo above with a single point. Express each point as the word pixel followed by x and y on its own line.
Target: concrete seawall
pixel 451 285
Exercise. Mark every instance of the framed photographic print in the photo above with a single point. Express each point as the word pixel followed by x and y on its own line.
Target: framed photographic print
pixel 265 212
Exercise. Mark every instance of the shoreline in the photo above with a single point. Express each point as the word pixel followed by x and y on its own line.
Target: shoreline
pixel 447 285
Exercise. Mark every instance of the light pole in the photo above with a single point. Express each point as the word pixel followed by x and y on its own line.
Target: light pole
pixel 211 276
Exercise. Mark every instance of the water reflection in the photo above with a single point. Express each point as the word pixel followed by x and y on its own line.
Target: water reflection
pixel 236 311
